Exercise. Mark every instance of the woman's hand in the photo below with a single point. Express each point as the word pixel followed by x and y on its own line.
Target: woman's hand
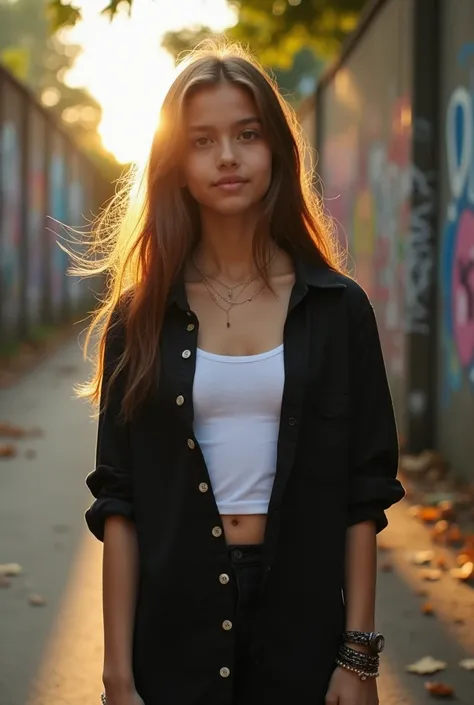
pixel 346 688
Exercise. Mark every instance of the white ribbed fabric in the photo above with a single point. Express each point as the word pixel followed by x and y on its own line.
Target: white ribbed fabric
pixel 237 406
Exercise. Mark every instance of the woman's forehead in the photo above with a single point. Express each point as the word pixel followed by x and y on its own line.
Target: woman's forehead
pixel 224 104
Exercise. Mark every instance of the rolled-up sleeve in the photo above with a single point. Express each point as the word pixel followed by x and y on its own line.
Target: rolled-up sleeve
pixel 111 480
pixel 374 486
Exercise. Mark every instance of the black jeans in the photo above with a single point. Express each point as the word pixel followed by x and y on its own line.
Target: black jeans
pixel 246 564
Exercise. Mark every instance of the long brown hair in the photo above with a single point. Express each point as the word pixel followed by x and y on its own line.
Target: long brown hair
pixel 145 236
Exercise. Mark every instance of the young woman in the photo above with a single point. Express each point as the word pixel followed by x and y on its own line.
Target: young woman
pixel 247 447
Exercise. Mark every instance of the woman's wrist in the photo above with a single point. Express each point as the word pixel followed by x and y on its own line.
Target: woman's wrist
pixel 118 680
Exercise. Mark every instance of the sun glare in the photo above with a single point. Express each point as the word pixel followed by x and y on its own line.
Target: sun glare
pixel 124 68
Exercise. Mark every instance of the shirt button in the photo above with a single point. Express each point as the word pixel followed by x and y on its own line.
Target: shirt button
pixel 292 421
pixel 191 444
pixel 190 327
pixel 186 354
pixel 227 625
pixel 225 672
pixel 217 531
pixel 203 487
pixel 180 400
pixel 223 578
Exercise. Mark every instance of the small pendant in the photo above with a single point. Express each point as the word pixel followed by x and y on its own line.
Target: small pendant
pixel 229 294
pixel 228 324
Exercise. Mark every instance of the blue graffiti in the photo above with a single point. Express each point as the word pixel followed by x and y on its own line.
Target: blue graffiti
pixel 457 253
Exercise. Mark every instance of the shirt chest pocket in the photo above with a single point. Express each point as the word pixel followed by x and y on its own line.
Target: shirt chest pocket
pixel 330 423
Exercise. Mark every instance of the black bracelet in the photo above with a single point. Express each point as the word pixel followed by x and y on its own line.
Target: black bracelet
pixel 363 664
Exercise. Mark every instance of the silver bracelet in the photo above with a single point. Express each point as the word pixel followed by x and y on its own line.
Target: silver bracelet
pixel 363 675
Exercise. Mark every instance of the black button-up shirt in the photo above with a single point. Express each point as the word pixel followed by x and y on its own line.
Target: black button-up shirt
pixel 336 465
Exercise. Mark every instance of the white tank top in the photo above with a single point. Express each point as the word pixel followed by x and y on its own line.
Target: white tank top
pixel 237 406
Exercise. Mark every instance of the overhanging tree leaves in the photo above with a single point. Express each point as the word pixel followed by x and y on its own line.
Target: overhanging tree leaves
pixel 276 30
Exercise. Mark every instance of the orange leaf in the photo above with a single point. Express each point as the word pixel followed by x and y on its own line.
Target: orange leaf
pixel 7 451
pixel 427 608
pixel 454 534
pixel 439 690
pixel 429 514
pixel 464 573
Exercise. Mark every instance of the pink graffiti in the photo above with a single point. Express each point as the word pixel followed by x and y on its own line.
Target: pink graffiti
pixel 463 289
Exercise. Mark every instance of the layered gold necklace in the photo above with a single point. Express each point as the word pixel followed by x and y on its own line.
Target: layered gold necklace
pixel 227 302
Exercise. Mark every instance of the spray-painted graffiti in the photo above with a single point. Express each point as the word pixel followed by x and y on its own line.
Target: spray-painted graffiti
pixel 10 164
pixel 458 246
pixel 58 211
pixel 369 176
pixel 419 252
pixel 75 284
pixel 35 219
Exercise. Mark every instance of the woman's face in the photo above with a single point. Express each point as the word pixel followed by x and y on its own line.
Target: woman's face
pixel 228 163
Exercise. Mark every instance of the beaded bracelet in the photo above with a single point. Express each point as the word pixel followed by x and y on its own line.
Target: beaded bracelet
pixel 365 665
pixel 103 699
pixel 363 675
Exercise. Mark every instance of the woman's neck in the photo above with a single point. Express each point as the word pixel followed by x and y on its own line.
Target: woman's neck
pixel 225 250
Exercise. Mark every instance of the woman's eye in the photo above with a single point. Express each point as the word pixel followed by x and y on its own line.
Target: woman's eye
pixel 249 135
pixel 202 141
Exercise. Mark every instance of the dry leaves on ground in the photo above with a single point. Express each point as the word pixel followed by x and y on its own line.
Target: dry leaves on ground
pixel 10 569
pixel 439 690
pixel 7 450
pixel 36 600
pixel 426 665
pixel 467 664
pixel 466 572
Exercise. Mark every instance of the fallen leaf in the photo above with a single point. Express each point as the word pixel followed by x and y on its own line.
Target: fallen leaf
pixel 4 581
pixel 427 609
pixel 36 600
pixel 426 665
pixel 429 514
pixel 439 690
pixel 430 574
pixel 422 557
pixel 467 664
pixel 466 572
pixel 459 620
pixel 10 569
pixel 7 451
pixel 462 558
pixel 7 430
pixel 454 534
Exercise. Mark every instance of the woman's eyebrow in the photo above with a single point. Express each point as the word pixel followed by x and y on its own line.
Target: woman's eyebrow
pixel 239 123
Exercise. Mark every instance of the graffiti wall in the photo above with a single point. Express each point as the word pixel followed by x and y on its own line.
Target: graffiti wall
pixel 10 213
pixel 39 188
pixel 456 254
pixel 367 175
pixel 36 216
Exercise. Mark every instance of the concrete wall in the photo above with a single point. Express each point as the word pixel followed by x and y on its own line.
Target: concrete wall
pixel 364 128
pixel 395 132
pixel 455 421
pixel 43 178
